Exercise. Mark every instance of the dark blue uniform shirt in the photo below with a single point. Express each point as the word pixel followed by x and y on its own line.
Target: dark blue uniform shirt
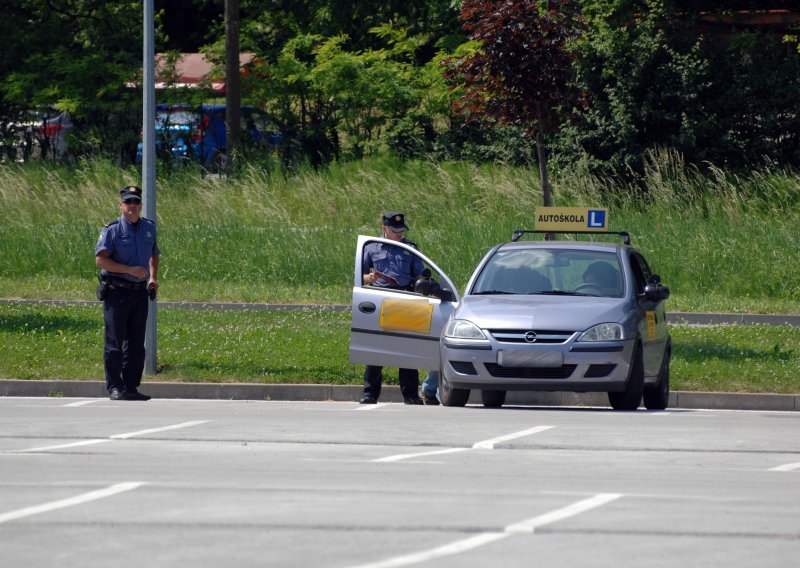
pixel 392 261
pixel 128 244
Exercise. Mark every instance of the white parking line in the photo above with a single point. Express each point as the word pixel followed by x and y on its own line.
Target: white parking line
pixel 372 406
pixel 419 455
pixel 531 525
pixel 787 467
pixel 80 403
pixel 489 444
pixel 155 430
pixel 71 501
pixel 110 438
pixel 473 542
pixel 484 445
pixel 60 446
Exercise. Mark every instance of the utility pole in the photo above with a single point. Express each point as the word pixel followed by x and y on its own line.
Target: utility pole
pixel 149 169
pixel 233 91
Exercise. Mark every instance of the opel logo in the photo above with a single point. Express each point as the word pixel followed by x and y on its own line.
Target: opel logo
pixel 530 336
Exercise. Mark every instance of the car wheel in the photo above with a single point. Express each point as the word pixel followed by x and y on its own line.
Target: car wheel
pixel 219 161
pixel 657 397
pixel 493 398
pixel 451 396
pixel 631 397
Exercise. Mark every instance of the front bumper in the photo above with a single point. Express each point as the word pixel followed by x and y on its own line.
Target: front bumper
pixel 568 366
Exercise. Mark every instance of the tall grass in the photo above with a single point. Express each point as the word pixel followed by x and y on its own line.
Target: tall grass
pixel 721 241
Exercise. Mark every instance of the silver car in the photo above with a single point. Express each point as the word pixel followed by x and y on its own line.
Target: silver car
pixel 536 315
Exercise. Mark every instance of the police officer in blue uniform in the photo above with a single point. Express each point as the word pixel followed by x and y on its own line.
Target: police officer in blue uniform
pixel 127 254
pixel 389 266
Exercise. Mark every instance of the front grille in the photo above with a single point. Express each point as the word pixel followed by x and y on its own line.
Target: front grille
pixel 463 367
pixel 542 335
pixel 599 370
pixel 562 372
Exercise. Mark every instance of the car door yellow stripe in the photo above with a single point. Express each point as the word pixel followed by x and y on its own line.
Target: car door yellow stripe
pixel 651 325
pixel 406 315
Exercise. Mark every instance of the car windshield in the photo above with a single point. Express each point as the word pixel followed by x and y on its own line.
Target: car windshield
pixel 551 271
pixel 176 118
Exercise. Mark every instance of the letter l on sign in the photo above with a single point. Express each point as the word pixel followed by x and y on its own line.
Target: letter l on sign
pixel 597 219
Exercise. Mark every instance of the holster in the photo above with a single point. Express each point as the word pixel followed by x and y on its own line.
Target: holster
pixel 102 289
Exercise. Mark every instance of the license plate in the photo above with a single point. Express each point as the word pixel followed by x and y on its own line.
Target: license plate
pixel 530 358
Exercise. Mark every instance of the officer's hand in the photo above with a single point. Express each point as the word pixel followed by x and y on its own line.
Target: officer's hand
pixel 137 272
pixel 152 288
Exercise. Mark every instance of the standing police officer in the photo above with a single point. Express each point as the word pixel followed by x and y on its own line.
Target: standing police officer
pixel 388 266
pixel 128 255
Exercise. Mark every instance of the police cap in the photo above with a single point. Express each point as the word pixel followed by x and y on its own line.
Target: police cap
pixel 130 193
pixel 396 221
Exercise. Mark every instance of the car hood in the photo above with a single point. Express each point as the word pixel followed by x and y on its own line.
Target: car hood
pixel 563 313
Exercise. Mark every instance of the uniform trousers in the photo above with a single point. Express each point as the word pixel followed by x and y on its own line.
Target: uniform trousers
pixel 125 313
pixel 408 379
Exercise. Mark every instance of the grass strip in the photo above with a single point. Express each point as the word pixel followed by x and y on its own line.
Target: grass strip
pixel 66 342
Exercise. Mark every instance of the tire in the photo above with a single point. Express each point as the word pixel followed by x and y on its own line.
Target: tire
pixel 493 398
pixel 657 397
pixel 631 397
pixel 219 161
pixel 450 396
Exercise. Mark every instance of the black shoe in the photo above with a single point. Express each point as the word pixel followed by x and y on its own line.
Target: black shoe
pixel 368 399
pixel 133 394
pixel 116 394
pixel 412 400
pixel 430 400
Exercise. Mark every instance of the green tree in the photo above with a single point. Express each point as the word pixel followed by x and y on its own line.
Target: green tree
pixel 658 74
pixel 344 104
pixel 522 71
pixel 75 56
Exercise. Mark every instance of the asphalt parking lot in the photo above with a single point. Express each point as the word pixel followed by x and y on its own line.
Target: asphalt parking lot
pixel 91 482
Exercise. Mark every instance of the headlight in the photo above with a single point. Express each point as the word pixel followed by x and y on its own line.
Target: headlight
pixel 463 329
pixel 603 332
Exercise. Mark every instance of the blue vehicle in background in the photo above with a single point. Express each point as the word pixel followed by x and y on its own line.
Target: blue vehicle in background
pixel 185 133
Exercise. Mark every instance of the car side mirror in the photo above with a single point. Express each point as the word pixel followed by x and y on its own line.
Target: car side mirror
pixel 445 295
pixel 427 287
pixel 656 292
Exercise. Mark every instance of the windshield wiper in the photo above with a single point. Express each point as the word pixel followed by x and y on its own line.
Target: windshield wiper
pixel 491 292
pixel 561 293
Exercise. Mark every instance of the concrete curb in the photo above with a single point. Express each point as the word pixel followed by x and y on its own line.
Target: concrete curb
pixel 246 391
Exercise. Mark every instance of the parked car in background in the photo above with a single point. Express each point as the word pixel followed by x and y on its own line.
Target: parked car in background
pixel 52 134
pixel 176 128
pixel 258 130
pixel 198 133
pixel 37 135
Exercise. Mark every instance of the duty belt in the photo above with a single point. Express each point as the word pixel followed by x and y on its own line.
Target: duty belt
pixel 122 283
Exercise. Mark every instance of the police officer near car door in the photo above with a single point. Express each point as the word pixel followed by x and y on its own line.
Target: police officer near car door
pixel 127 254
pixel 388 266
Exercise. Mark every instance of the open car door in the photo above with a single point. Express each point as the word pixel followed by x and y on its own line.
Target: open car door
pixel 398 328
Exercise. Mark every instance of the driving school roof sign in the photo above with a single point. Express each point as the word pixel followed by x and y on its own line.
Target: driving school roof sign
pixel 571 219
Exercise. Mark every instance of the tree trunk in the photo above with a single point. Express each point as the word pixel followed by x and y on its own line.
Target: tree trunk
pixel 541 154
pixel 233 94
